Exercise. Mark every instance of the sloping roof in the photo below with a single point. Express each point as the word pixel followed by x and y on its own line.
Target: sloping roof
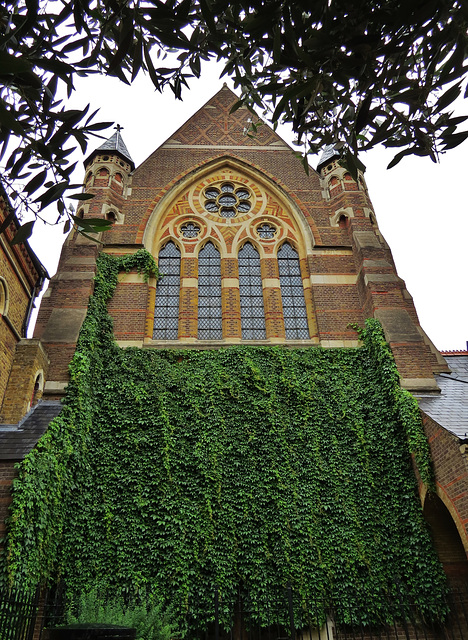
pixel 329 153
pixel 115 144
pixel 16 441
pixel 450 408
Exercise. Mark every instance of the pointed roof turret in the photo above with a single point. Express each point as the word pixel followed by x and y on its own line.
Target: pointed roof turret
pixel 329 153
pixel 114 144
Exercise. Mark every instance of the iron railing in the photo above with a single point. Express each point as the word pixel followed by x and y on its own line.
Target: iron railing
pixel 24 615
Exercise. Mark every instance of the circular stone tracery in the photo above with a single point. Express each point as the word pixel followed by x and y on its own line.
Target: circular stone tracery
pixel 228 200
pixel 266 231
pixel 190 230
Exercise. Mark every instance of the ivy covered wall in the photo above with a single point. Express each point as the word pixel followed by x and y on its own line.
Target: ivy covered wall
pixel 174 471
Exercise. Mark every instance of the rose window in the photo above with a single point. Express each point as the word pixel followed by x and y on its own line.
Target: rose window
pixel 190 230
pixel 266 231
pixel 227 200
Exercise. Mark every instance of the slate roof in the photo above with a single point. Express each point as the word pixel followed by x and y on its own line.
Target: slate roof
pixel 116 144
pixel 328 154
pixel 450 407
pixel 17 440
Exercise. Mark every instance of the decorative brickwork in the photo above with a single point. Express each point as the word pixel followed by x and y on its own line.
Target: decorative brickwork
pixel 26 381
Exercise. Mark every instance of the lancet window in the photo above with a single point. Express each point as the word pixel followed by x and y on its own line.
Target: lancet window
pixel 292 294
pixel 209 294
pixel 251 294
pixel 166 312
pixel 231 269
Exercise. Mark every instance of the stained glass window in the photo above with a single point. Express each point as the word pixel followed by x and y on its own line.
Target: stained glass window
pixel 209 294
pixel 251 294
pixel 166 311
pixel 190 230
pixel 227 201
pixel 292 294
pixel 266 231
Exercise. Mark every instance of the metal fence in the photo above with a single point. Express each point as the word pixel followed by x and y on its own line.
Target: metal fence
pixel 18 613
pixel 286 617
pixel 23 616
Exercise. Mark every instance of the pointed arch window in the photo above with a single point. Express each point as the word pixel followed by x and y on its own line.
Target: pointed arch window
pixel 292 294
pixel 251 294
pixel 209 294
pixel 166 311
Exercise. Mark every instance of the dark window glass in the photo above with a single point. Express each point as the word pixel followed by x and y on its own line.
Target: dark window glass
pixel 227 187
pixel 292 294
pixel 190 230
pixel 209 294
pixel 229 201
pixel 266 231
pixel 228 212
pixel 166 310
pixel 251 294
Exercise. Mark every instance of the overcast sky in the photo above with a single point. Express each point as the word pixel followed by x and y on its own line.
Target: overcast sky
pixel 421 207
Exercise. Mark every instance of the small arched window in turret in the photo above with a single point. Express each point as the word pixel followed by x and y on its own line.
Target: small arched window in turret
pixel 334 186
pixel 118 177
pixel 343 221
pixel 166 310
pixel 111 216
pixel 349 182
pixel 80 214
pixel 292 294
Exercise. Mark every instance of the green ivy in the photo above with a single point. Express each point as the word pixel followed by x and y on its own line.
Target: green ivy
pixel 174 472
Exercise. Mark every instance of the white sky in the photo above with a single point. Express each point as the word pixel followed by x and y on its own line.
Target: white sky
pixel 421 207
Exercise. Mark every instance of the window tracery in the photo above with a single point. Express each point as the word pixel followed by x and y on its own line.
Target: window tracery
pixel 227 200
pixel 209 294
pixel 227 293
pixel 292 294
pixel 166 313
pixel 266 231
pixel 190 230
pixel 251 294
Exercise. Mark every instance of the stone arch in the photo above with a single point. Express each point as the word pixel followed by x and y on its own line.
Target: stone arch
pixel 168 201
pixel 216 242
pixel 445 536
pixel 4 297
pixel 451 510
pixel 37 389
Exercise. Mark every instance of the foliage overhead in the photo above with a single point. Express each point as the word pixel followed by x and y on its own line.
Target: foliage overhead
pixel 174 472
pixel 353 74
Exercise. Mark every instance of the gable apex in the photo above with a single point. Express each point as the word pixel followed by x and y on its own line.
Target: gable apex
pixel 214 126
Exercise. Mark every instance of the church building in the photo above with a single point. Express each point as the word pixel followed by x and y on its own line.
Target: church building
pixel 253 251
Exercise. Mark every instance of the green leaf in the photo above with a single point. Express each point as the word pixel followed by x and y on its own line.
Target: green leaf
pixel 23 233
pixel 36 182
pixel 81 196
pixel 13 64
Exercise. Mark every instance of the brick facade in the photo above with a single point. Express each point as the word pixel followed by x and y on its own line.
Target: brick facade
pixel 346 268
pixel 21 279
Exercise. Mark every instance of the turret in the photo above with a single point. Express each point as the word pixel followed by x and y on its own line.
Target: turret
pixel 107 176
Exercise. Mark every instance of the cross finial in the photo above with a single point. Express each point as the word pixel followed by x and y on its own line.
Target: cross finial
pixel 118 127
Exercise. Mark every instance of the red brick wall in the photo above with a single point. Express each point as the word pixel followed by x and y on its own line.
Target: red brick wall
pixel 451 472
